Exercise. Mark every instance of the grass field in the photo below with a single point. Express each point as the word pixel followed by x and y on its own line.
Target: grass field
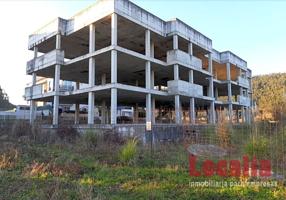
pixel 92 167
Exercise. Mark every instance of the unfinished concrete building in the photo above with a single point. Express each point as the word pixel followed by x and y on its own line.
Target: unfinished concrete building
pixel 117 54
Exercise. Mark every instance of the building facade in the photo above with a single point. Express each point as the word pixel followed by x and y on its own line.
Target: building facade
pixel 117 54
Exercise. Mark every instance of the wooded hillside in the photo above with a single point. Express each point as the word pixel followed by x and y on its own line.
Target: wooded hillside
pixel 269 92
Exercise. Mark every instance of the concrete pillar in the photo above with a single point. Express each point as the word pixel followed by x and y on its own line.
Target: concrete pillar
pixel 175 42
pixel 177 97
pixel 190 48
pixel 33 108
pixel 113 107
pixel 192 110
pixel 152 50
pixel 191 80
pixel 77 86
pixel 212 113
pixel 91 74
pixel 230 112
pixel 229 91
pixel 153 110
pixel 211 90
pixel 76 116
pixel 57 85
pixel 216 93
pixel 103 112
pixel 103 103
pixel 148 96
pixel 152 79
pixel 191 76
pixel 177 77
pixel 107 115
pixel 148 76
pixel 242 114
pixel 103 79
pixel 247 116
pixel 178 109
pixel 136 113
pixel 237 115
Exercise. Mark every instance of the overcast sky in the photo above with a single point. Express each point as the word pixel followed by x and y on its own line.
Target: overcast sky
pixel 254 30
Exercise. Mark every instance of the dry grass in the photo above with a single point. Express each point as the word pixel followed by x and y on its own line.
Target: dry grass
pixel 51 168
pixel 9 159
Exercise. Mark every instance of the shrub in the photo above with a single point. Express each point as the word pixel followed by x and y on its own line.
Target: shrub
pixel 21 128
pixel 112 138
pixel 258 146
pixel 128 151
pixel 90 138
pixel 67 133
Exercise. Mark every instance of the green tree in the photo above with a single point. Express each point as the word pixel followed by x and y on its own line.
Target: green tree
pixel 4 101
pixel 269 92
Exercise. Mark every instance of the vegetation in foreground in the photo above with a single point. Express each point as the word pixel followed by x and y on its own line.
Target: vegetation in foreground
pixel 38 165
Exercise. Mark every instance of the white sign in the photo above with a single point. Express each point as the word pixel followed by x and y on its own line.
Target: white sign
pixel 148 126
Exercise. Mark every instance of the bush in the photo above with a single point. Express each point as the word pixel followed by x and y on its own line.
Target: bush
pixel 21 128
pixel 259 147
pixel 128 151
pixel 90 138
pixel 67 133
pixel 113 138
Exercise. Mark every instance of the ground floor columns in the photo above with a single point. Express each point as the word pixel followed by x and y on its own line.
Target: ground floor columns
pixel 247 116
pixel 90 108
pixel 103 112
pixel 136 113
pixel 230 112
pixel 242 114
pixel 212 113
pixel 192 110
pixel 33 108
